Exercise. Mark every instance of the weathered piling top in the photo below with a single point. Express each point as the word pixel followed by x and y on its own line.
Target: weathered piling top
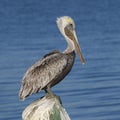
pixel 47 108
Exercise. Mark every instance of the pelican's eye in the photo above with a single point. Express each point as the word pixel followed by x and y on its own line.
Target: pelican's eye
pixel 70 27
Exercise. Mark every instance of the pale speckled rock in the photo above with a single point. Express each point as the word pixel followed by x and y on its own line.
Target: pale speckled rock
pixel 46 108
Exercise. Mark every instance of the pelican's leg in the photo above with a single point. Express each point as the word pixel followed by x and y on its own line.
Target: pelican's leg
pixel 48 91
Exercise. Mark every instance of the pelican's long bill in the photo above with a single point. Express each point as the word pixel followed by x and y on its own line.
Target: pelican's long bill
pixel 77 47
pixel 71 34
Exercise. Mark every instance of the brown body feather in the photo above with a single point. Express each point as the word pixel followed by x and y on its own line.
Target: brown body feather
pixel 47 72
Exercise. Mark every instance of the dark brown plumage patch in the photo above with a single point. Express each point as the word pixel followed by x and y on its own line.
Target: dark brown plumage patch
pixel 69 33
pixel 53 52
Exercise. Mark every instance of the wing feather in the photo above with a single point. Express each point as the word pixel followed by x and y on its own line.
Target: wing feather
pixel 39 75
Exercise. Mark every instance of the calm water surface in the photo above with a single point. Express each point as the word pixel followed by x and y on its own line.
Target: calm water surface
pixel 28 31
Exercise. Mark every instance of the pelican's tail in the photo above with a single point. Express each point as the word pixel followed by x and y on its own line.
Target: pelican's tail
pixel 27 90
pixel 23 93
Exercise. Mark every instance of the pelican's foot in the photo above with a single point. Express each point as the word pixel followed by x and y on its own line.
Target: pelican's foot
pixel 49 95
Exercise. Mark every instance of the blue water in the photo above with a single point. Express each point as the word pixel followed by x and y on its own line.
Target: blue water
pixel 28 31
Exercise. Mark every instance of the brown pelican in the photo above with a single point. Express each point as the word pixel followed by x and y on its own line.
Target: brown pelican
pixel 54 66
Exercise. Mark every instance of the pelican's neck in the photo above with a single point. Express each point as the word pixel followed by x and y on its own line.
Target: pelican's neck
pixel 70 48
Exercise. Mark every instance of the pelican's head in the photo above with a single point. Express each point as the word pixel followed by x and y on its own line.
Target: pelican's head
pixel 66 26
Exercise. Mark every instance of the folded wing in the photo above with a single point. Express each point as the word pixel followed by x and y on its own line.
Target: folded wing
pixel 39 75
